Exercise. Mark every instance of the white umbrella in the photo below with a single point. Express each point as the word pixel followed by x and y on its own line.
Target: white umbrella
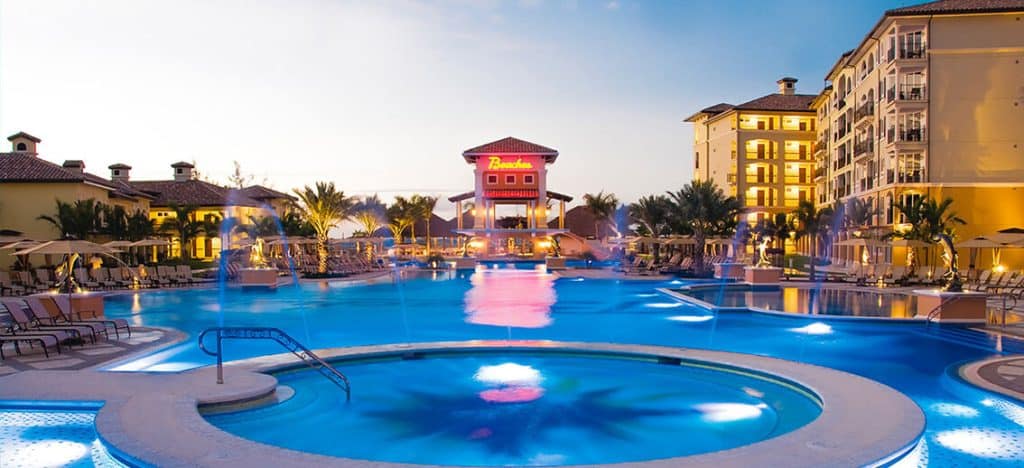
pixel 21 245
pixel 66 247
pixel 117 244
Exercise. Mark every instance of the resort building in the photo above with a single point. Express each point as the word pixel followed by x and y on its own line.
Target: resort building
pixel 212 203
pixel 510 198
pixel 759 151
pixel 30 186
pixel 929 104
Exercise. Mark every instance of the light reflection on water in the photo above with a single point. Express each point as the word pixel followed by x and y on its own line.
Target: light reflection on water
pixel 510 298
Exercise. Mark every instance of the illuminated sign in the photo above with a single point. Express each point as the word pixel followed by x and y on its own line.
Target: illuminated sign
pixel 495 162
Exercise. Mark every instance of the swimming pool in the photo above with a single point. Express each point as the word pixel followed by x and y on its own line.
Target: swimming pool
pixel 53 436
pixel 509 408
pixel 443 307
pixel 814 301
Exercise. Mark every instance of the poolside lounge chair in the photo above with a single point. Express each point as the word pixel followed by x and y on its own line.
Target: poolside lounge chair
pixel 184 273
pixel 46 312
pixel 45 277
pixel 8 288
pixel 27 320
pixel 102 276
pixel 82 277
pixel 69 316
pixel 981 280
pixel 897 275
pixel 10 333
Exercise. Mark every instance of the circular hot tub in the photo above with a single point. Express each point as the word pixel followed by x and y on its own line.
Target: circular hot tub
pixel 526 407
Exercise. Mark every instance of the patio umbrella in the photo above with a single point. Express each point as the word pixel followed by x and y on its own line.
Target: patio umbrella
pixel 117 244
pixel 67 247
pixel 911 243
pixel 21 245
pixel 151 243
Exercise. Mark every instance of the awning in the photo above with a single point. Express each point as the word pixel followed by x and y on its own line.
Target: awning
pixel 510 194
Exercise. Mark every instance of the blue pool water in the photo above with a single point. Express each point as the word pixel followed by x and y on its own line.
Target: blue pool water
pixel 509 409
pixel 965 426
pixel 51 437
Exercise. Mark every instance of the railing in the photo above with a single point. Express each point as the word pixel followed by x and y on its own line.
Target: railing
pixel 865 110
pixel 282 338
pixel 761 180
pixel 863 147
pixel 938 309
pixel 913 52
pixel 913 134
pixel 819 172
pixel 913 92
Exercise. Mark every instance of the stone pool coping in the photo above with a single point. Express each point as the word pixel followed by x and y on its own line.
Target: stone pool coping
pixel 154 419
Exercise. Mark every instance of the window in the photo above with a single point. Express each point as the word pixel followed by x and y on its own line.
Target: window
pixel 178 171
pixel 510 179
pixel 22 146
pixel 528 179
pixel 492 179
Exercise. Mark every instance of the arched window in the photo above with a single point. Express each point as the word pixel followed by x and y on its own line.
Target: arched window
pixel 22 147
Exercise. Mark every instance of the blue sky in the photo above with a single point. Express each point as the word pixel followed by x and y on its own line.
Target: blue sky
pixel 384 96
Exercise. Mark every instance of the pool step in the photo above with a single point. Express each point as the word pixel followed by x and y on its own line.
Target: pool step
pixel 973 338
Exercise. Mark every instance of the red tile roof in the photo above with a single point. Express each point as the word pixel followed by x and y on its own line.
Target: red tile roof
pixel 193 192
pixel 259 192
pixel 780 102
pixel 24 135
pixel 26 167
pixel 953 7
pixel 509 145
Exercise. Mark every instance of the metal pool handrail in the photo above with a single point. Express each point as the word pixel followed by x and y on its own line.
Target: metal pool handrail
pixel 282 338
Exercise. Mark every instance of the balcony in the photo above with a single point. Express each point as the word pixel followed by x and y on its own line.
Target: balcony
pixel 753 179
pixel 797 180
pixel 911 52
pixel 910 177
pixel 819 172
pixel 821 145
pixel 730 179
pixel 863 148
pixel 865 110
pixel 912 135
pixel 913 92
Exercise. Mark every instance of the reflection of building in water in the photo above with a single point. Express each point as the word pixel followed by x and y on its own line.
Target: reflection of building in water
pixel 510 298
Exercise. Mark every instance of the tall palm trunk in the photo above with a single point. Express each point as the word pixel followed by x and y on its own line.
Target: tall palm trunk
pixel 698 254
pixel 428 236
pixel 321 254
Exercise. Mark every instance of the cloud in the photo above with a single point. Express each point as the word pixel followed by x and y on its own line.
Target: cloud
pixel 612 5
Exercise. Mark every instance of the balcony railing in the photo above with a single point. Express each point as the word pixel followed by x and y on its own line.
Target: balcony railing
pixel 863 147
pixel 910 177
pixel 753 179
pixel 731 179
pixel 819 172
pixel 865 110
pixel 840 104
pixel 914 51
pixel 798 180
pixel 913 92
pixel 912 134
pixel 821 145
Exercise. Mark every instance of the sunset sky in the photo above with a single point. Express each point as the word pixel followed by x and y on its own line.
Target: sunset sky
pixel 383 96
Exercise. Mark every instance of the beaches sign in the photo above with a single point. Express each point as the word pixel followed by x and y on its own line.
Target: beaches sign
pixel 496 163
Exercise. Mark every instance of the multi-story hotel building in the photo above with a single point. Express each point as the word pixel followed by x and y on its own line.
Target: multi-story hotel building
pixel 929 104
pixel 760 151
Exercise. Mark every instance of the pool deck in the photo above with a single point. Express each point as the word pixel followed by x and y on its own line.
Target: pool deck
pixel 142 341
pixel 1003 375
pixel 154 419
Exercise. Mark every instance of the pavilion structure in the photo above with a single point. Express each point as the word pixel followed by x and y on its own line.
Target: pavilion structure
pixel 510 173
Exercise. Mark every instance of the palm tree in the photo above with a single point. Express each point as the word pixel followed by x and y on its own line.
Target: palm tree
pixel 115 222
pixel 927 218
pixel 651 213
pixel 369 214
pixel 139 227
pixel 602 206
pixel 424 206
pixel 401 216
pixel 704 209
pixel 185 226
pixel 857 213
pixel 78 219
pixel 294 225
pixel 263 226
pixel 324 208
pixel 813 224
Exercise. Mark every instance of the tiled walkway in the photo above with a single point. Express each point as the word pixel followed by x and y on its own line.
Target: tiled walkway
pixel 91 354
pixel 1007 373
